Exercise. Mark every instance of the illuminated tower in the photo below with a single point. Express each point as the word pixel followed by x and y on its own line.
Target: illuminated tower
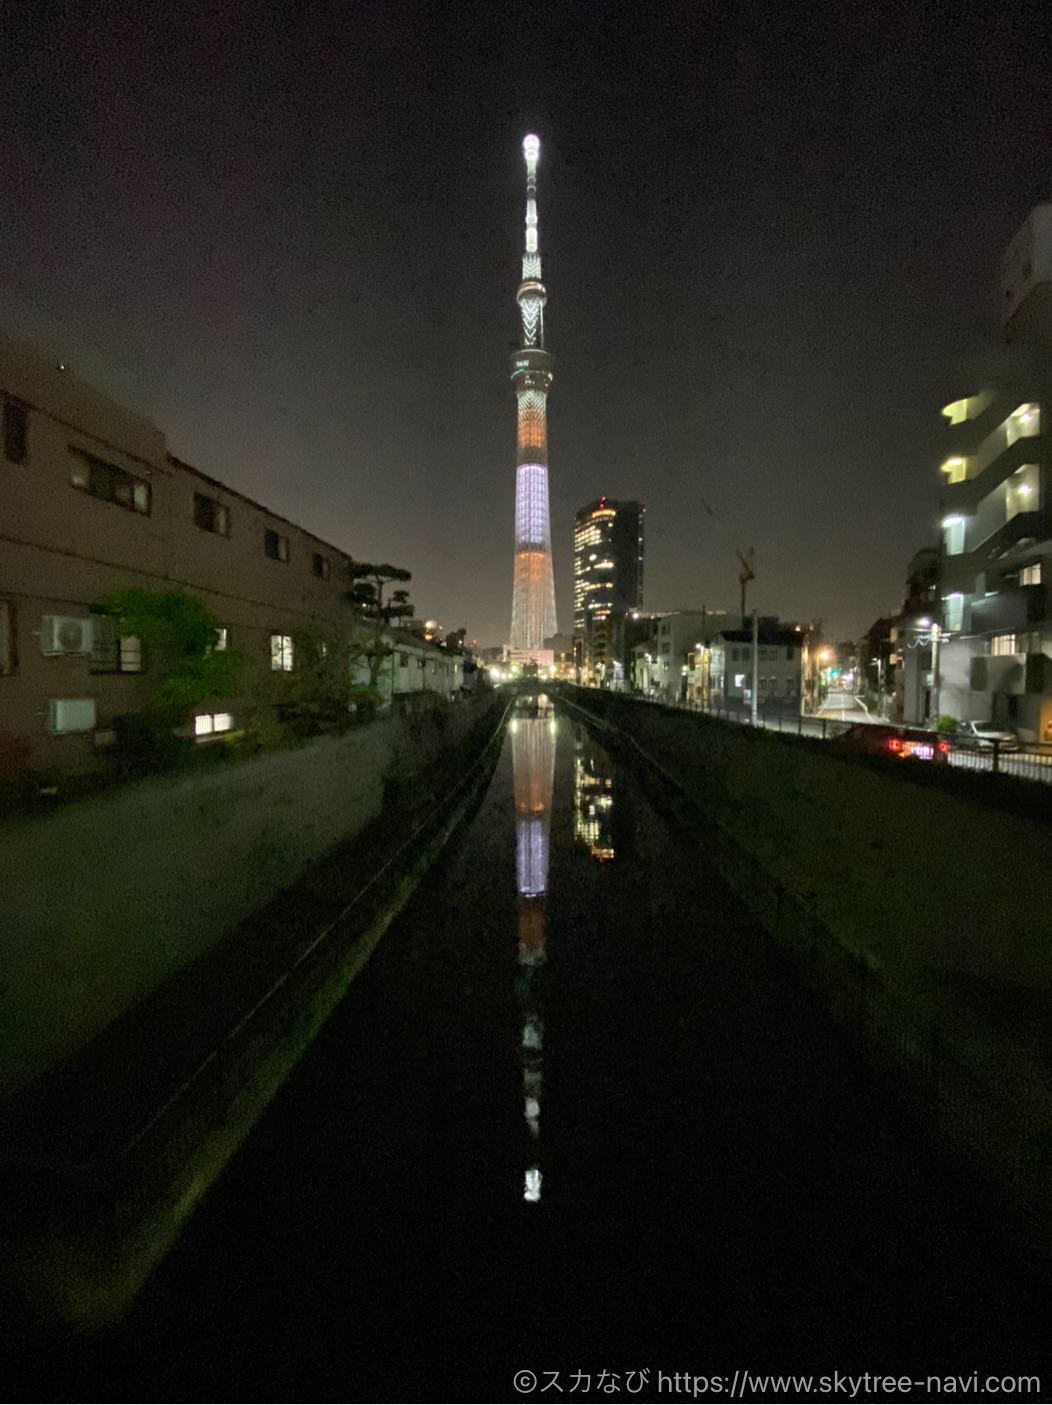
pixel 533 599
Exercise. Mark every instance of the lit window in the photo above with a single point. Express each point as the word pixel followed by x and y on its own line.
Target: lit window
pixel 281 653
pixel 208 724
pixel 1003 644
pixel 15 431
pixel 222 639
pixel 1031 575
pixel 275 547
pixel 954 610
pixel 739 680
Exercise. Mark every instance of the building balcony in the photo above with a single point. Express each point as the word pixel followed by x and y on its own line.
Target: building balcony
pixel 1009 534
pixel 1011 673
pixel 1009 611
pixel 965 497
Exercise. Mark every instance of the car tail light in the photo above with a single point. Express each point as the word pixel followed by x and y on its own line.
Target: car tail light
pixel 894 744
pixel 944 746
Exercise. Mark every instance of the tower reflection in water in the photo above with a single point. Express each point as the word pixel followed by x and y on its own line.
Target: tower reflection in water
pixel 533 733
pixel 593 801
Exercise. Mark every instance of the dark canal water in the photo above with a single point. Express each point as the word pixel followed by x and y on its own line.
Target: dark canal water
pixel 572 1118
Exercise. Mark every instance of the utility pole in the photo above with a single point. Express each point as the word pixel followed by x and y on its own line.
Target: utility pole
pixel 755 663
pixel 936 635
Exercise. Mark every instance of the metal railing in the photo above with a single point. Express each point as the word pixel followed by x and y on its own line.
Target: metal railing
pixel 1026 763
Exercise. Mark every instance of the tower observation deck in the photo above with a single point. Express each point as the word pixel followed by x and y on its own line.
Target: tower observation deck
pixel 533 596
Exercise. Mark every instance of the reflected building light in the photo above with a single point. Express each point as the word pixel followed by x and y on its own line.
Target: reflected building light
pixel 531 854
pixel 533 745
pixel 532 1035
pixel 593 803
pixel 533 1116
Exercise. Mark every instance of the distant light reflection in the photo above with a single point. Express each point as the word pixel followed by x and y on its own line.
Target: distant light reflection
pixel 593 801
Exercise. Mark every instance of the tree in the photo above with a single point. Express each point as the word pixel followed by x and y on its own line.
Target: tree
pixel 400 608
pixel 368 582
pixel 181 666
pixel 316 696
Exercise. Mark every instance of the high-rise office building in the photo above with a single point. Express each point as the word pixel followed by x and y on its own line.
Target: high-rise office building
pixel 607 561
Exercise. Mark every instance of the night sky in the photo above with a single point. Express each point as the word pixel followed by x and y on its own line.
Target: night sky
pixel 289 235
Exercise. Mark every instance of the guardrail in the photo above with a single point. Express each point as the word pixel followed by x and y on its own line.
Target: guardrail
pixel 1029 764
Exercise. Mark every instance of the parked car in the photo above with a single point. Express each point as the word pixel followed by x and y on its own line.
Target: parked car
pixel 983 735
pixel 902 743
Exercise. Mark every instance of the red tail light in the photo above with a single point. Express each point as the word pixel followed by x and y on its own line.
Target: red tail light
pixel 944 746
pixel 894 744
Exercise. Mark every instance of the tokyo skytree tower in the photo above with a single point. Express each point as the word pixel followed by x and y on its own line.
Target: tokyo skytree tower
pixel 533 599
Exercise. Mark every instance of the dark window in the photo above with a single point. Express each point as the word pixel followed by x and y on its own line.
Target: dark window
pixel 8 651
pixel 15 426
pixel 320 565
pixel 211 516
pixel 403 660
pixel 110 653
pixel 275 546
pixel 789 653
pixel 110 483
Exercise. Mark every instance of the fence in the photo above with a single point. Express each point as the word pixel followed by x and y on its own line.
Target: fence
pixel 1026 763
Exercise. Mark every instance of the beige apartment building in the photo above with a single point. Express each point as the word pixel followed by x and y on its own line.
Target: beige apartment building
pixel 91 502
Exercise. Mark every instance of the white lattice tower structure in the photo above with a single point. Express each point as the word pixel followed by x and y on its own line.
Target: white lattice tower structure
pixel 533 597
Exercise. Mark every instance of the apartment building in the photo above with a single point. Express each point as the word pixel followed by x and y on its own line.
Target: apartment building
pixel 994 654
pixel 725 675
pixel 91 501
pixel 663 662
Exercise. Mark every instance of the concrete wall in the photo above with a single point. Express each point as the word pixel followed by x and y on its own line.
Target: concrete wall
pixel 939 889
pixel 103 899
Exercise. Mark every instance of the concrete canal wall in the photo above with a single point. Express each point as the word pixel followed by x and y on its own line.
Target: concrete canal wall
pixel 920 914
pixel 104 898
pixel 921 879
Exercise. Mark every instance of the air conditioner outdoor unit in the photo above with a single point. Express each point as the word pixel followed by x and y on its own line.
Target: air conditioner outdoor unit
pixel 70 715
pixel 63 634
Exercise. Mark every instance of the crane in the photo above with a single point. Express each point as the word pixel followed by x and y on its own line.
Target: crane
pixel 745 575
pixel 748 560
